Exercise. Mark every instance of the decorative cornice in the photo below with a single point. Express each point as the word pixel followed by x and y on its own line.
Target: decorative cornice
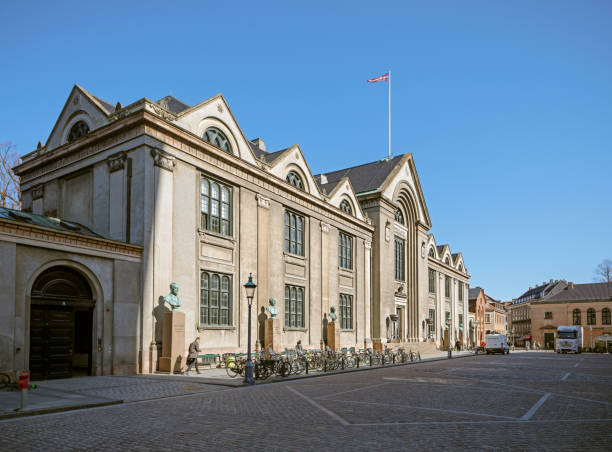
pixel 116 162
pixel 262 201
pixel 163 159
pixel 35 232
pixel 159 111
pixel 38 192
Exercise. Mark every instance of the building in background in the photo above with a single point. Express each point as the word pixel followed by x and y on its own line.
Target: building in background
pixel 477 303
pixel 519 310
pixel 495 316
pixel 586 305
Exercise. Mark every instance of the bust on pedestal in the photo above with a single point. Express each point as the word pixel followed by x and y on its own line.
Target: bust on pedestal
pixel 173 344
pixel 273 333
pixel 333 332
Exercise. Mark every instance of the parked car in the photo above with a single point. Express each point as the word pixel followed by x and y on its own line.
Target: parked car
pixel 496 343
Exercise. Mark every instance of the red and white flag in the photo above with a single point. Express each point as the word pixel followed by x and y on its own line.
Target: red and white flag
pixel 382 78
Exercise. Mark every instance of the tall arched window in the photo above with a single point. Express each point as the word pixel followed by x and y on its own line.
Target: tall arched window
pixel 399 217
pixel 460 267
pixel 80 129
pixel 218 139
pixel 591 317
pixel 295 179
pixel 432 252
pixel 346 207
pixel 447 261
pixel 605 316
pixel 577 318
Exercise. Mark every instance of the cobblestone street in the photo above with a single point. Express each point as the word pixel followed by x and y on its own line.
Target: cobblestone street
pixel 534 400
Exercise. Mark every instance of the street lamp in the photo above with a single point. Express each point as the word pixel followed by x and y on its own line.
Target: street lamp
pixel 249 288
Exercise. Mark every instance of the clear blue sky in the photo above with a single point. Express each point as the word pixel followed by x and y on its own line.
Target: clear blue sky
pixel 506 106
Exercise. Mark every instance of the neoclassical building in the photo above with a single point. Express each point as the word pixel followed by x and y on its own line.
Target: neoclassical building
pixel 191 200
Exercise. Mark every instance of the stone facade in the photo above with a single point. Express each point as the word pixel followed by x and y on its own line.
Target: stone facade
pixel 207 207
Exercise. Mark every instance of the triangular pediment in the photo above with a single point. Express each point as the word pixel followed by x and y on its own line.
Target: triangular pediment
pixel 292 159
pixel 80 106
pixel 215 112
pixel 404 175
pixel 343 191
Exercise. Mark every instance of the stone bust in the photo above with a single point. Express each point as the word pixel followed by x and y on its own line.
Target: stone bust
pixel 272 309
pixel 332 313
pixel 172 298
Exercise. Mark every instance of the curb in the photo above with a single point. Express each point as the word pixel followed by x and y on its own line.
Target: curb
pixel 354 369
pixel 18 414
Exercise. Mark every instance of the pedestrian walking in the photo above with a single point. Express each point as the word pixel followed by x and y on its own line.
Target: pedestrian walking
pixel 192 357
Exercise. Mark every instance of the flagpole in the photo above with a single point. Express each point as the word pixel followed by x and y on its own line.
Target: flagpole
pixel 389 157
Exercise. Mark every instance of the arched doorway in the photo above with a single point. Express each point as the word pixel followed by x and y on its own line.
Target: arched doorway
pixel 61 317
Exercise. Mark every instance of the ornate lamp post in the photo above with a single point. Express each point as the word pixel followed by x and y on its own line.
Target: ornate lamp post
pixel 249 288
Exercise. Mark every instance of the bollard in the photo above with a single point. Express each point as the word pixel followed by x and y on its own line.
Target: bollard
pixel 370 359
pixel 450 353
pixel 306 367
pixel 342 362
pixel 22 385
pixel 357 361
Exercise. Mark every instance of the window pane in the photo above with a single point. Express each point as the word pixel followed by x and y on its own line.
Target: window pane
pixel 214 191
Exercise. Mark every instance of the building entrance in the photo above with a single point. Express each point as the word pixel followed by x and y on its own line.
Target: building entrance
pixel 549 341
pixel 61 321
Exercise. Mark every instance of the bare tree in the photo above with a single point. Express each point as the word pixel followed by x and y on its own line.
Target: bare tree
pixel 10 191
pixel 603 271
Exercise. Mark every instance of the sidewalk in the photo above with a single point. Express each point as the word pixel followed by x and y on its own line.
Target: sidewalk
pixel 87 392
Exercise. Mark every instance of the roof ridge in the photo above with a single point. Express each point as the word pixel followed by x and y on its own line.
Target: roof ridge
pixel 363 164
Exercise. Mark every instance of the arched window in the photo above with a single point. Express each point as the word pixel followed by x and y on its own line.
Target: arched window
pixel 447 261
pixel 218 139
pixel 460 267
pixel 577 319
pixel 346 207
pixel 605 316
pixel 399 217
pixel 591 318
pixel 432 252
pixel 80 129
pixel 294 179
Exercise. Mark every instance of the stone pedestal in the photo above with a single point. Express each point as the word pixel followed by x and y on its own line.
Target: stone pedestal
pixel 273 336
pixel 173 346
pixel 333 336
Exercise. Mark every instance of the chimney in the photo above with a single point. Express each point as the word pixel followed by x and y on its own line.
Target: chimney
pixel 570 285
pixel 530 288
pixel 550 282
pixel 259 143
pixel 323 179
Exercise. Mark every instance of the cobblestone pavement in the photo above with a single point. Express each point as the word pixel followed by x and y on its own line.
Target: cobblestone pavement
pixel 522 401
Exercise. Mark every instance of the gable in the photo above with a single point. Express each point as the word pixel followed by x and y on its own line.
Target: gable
pixel 343 191
pixel 215 112
pixel 404 176
pixel 80 106
pixel 292 159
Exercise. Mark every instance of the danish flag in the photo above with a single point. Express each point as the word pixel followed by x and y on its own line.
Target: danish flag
pixel 382 78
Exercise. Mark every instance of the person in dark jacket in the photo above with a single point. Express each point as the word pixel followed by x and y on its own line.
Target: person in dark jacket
pixel 194 350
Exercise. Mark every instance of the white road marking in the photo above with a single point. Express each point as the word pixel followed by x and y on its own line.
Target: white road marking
pixel 397 405
pixel 319 406
pixel 351 390
pixel 540 421
pixel 578 363
pixel 565 376
pixel 534 408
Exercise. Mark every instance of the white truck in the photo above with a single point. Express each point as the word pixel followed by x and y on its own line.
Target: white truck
pixel 496 343
pixel 569 339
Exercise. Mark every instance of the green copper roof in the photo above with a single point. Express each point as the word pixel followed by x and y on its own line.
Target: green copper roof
pixel 47 222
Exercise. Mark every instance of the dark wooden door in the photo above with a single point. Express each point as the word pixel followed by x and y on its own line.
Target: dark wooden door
pixel 549 341
pixel 51 333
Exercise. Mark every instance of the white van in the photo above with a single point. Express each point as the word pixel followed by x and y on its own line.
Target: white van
pixel 496 343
